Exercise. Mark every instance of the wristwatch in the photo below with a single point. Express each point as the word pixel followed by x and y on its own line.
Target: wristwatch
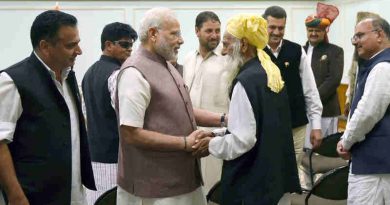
pixel 223 123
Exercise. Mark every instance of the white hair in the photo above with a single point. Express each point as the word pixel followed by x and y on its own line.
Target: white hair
pixel 154 18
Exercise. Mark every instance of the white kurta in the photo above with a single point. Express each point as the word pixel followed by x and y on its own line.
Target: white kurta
pixel 370 110
pixel 242 128
pixel 208 80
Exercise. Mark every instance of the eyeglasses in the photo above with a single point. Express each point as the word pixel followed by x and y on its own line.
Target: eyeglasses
pixel 124 44
pixel 360 35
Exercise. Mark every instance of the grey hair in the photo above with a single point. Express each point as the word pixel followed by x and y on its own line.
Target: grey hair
pixel 154 18
pixel 236 53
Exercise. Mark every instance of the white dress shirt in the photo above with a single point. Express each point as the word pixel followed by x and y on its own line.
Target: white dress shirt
pixel 310 91
pixel 11 109
pixel 371 107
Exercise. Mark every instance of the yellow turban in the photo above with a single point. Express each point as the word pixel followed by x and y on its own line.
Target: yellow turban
pixel 253 27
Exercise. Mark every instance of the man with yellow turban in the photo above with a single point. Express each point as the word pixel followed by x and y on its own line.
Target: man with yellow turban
pixel 259 161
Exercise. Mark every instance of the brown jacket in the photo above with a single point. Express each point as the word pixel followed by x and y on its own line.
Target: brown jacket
pixel 158 174
pixel 328 64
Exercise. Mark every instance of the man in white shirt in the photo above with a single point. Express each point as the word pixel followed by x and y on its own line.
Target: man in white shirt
pixel 208 79
pixel 291 59
pixel 366 140
pixel 44 154
pixel 156 165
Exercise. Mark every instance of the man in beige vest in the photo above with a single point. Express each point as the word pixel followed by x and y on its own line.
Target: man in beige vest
pixel 208 79
pixel 157 122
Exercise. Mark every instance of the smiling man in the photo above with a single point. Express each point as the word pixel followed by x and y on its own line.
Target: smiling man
pixel 327 62
pixel 367 135
pixel 116 43
pixel 44 154
pixel 208 79
pixel 304 100
pixel 157 121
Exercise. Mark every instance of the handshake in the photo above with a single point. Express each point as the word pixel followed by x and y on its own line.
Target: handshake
pixel 198 143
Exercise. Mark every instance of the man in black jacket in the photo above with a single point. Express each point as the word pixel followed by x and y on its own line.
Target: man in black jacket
pixel 44 155
pixel 116 43
pixel 259 166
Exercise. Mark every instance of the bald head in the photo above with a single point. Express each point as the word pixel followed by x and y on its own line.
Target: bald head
pixel 371 36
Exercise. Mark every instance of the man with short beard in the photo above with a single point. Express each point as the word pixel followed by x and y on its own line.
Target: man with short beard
pixel 304 100
pixel 208 79
pixel 259 166
pixel 157 122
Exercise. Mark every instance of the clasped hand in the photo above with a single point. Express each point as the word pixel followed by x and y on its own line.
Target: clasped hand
pixel 198 143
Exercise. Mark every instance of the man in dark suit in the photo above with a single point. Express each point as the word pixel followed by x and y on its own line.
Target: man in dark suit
pixel 44 155
pixel 327 62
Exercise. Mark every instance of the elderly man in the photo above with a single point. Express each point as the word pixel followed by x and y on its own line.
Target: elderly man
pixel 208 80
pixel 259 166
pixel 367 135
pixel 44 155
pixel 116 43
pixel 157 122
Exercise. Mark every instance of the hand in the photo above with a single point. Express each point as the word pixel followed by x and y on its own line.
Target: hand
pixel 201 147
pixel 315 138
pixel 190 139
pixel 343 153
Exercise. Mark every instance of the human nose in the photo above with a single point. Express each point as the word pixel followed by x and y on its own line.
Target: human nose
pixel 181 40
pixel 78 50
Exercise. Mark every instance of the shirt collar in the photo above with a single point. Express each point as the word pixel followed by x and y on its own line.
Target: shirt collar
pixel 64 73
pixel 277 51
pixel 216 51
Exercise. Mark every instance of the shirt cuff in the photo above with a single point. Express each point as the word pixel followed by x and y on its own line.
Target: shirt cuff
pixel 132 123
pixel 7 130
pixel 213 146
pixel 346 143
pixel 316 123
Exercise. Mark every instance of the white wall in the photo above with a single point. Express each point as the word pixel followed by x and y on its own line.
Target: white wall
pixel 16 19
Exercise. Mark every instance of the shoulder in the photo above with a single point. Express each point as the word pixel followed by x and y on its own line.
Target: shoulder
pixel 190 55
pixel 334 47
pixel 252 71
pixel 291 44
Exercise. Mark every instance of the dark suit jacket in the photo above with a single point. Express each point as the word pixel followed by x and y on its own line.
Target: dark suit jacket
pixel 328 64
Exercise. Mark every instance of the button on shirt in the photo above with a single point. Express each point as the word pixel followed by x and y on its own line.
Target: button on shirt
pixel 11 109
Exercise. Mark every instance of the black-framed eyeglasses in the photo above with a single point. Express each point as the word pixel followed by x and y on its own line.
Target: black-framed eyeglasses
pixel 124 44
pixel 360 35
